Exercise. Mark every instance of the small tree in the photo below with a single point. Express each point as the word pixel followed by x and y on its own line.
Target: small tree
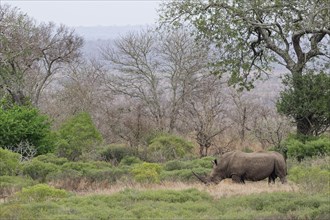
pixel 20 124
pixel 165 147
pixel 308 103
pixel 77 135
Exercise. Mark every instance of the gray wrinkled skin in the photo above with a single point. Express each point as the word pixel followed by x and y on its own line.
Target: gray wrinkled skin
pixel 240 166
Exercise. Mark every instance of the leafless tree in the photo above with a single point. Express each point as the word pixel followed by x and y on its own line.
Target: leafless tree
pixel 32 53
pixel 270 128
pixel 206 111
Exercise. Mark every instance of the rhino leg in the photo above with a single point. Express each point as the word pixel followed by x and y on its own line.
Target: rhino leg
pixel 237 179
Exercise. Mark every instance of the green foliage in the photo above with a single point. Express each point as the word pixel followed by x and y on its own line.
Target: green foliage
pixel 39 170
pixel 309 148
pixel 306 99
pixel 312 175
pixel 9 162
pixel 12 184
pixel 147 172
pixel 129 160
pixel 115 153
pixel 170 204
pixel 41 193
pixel 25 124
pixel 77 135
pixel 181 170
pixel 52 158
pixel 164 147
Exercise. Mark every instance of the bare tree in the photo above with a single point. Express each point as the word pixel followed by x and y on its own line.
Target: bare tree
pixel 270 128
pixel 134 58
pixel 32 53
pixel 206 112
pixel 183 61
pixel 158 70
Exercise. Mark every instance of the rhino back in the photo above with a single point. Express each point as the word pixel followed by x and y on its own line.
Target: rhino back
pixel 251 166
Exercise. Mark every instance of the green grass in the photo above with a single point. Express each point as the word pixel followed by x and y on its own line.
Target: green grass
pixel 171 204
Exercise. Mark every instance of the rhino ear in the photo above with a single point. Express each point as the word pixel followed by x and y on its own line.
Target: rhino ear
pixel 215 162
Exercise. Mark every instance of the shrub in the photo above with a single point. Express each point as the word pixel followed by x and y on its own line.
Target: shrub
pixel 146 172
pixel 166 147
pixel 314 147
pixel 115 153
pixel 25 124
pixel 77 135
pixel 129 160
pixel 11 184
pixel 312 179
pixel 9 162
pixel 39 170
pixel 51 158
pixel 41 193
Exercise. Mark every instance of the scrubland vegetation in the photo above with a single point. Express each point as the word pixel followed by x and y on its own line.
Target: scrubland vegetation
pixel 117 137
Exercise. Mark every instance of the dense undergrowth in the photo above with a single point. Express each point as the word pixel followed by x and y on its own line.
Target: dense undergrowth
pixel 30 195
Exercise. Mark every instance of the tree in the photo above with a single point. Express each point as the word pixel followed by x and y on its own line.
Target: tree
pixel 158 70
pixel 23 127
pixel 31 54
pixel 205 112
pixel 77 135
pixel 308 104
pixel 252 35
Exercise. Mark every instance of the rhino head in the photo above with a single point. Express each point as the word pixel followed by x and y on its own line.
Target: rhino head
pixel 214 177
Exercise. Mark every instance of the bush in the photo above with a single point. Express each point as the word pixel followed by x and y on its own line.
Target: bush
pixel 39 170
pixel 9 162
pixel 52 158
pixel 25 124
pixel 166 147
pixel 129 160
pixel 12 184
pixel 41 193
pixel 146 172
pixel 312 177
pixel 77 135
pixel 314 147
pixel 115 153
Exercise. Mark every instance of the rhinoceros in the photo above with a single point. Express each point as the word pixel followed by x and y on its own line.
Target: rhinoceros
pixel 240 166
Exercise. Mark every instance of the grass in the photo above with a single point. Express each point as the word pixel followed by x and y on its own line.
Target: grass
pixel 176 203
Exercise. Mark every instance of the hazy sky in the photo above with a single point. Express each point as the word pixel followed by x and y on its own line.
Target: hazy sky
pixel 90 13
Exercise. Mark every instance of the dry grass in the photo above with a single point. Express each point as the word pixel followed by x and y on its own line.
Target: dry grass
pixel 224 189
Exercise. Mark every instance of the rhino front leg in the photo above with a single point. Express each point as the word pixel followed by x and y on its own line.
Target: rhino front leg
pixel 237 179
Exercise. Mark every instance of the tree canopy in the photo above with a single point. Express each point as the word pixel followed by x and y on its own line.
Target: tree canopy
pixel 252 35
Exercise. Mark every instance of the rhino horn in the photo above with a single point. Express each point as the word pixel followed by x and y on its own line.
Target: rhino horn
pixel 200 178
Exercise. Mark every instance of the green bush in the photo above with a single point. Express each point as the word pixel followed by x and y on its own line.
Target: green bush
pixel 115 153
pixel 312 179
pixel 77 135
pixel 52 158
pixel 41 193
pixel 129 160
pixel 310 148
pixel 147 172
pixel 9 162
pixel 12 184
pixel 166 147
pixel 39 170
pixel 25 124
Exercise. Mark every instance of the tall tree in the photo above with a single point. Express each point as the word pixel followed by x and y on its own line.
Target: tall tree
pixel 252 35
